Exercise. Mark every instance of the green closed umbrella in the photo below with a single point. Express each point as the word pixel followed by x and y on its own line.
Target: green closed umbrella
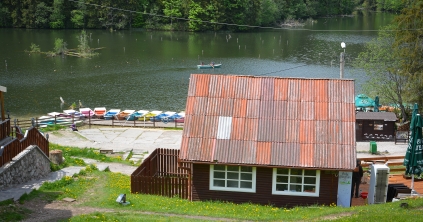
pixel 376 104
pixel 413 160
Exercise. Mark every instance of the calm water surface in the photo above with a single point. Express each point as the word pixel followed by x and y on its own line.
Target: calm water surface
pixel 139 69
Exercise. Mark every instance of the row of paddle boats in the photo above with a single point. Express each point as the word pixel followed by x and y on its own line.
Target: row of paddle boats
pixel 103 113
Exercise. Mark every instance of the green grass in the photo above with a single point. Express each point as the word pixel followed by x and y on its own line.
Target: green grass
pixel 73 156
pixel 10 212
pixel 125 217
pixel 100 189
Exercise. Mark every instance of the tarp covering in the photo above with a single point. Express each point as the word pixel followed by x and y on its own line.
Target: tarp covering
pixel 362 100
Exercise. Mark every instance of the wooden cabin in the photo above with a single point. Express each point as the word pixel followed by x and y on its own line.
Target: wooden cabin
pixel 269 140
pixel 375 126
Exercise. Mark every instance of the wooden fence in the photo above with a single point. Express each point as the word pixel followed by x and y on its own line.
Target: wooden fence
pixel 4 129
pixel 31 137
pixel 90 120
pixel 161 174
pixel 390 160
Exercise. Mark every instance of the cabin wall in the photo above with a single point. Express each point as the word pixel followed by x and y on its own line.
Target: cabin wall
pixel 263 195
pixel 365 131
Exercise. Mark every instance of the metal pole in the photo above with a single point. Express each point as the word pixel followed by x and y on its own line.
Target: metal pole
pixel 341 67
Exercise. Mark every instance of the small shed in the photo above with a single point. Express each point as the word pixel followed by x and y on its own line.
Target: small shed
pixel 378 126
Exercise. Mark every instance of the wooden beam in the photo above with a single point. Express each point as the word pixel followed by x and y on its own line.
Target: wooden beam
pixel 2 106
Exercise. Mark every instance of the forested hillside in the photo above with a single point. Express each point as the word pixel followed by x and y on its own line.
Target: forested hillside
pixel 188 15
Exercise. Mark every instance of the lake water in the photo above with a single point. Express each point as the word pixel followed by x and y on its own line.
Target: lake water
pixel 140 69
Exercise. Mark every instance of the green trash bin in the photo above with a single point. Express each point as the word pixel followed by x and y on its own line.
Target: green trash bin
pixel 373 147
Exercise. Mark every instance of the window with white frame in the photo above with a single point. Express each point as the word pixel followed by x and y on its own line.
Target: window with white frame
pixel 296 182
pixel 233 178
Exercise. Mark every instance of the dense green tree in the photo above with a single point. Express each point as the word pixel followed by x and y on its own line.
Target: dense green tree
pixel 268 12
pixel 380 62
pixel 57 18
pixel 42 14
pixel 409 42
pixel 5 18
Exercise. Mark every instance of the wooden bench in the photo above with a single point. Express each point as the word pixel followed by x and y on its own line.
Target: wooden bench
pixel 401 136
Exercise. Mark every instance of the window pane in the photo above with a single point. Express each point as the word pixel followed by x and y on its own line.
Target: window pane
pixel 282 179
pixel 311 189
pixel 220 175
pixel 310 172
pixel 295 188
pixel 246 169
pixel 296 179
pixel 219 167
pixel 232 183
pixel 281 187
pixel 233 176
pixel 296 172
pixel 246 184
pixel 310 180
pixel 282 171
pixel 233 168
pixel 219 183
pixel 246 176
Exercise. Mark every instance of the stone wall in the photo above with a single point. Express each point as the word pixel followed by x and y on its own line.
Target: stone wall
pixel 30 164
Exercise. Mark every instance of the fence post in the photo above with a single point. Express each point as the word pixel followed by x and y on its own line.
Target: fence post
pixel 55 119
pixel 89 119
pixel 113 122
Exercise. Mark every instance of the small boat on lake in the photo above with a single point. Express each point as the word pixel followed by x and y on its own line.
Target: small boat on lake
pixel 209 66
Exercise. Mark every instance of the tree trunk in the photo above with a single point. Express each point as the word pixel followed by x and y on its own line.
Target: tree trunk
pixel 56 156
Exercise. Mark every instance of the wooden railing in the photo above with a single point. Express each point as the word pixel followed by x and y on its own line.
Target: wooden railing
pixel 161 174
pixel 31 137
pixel 367 161
pixel 4 129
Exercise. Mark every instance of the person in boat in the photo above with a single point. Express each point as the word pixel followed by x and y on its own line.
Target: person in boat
pixel 212 64
pixel 202 63
pixel 73 127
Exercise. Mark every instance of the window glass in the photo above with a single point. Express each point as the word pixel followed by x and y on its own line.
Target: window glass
pixel 296 182
pixel 219 167
pixel 296 172
pixel 296 179
pixel 282 179
pixel 232 183
pixel 233 175
pixel 246 184
pixel 309 172
pixel 283 171
pixel 310 180
pixel 246 169
pixel 232 178
pixel 219 183
pixel 246 176
pixel 220 175
pixel 281 187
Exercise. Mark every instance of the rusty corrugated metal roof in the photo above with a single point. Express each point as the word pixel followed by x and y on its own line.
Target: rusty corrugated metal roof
pixel 271 121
